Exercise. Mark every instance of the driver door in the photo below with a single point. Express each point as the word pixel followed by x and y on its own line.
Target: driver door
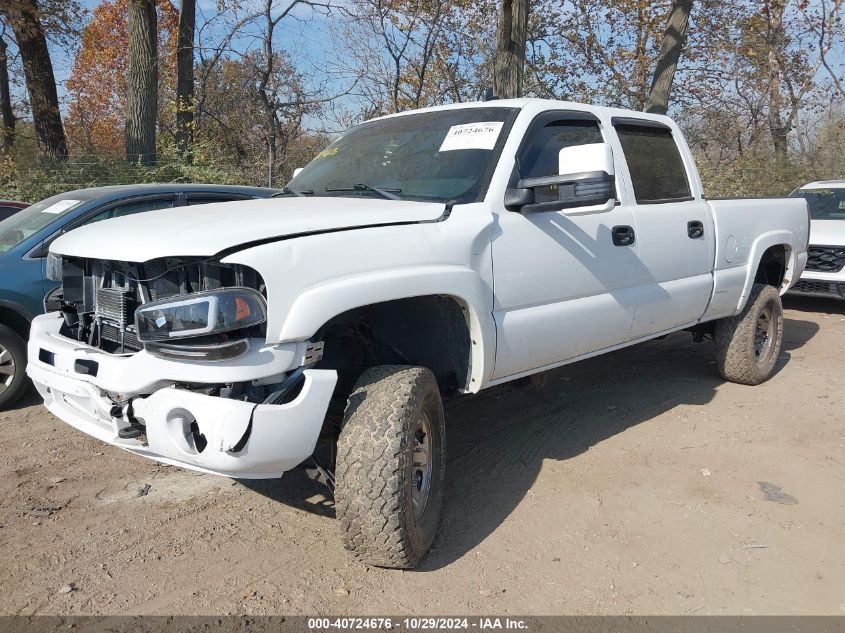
pixel 563 287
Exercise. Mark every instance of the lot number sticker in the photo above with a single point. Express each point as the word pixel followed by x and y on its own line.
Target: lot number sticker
pixel 480 135
pixel 61 206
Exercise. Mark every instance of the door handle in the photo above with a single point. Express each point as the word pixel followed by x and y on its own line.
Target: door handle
pixel 695 229
pixel 623 235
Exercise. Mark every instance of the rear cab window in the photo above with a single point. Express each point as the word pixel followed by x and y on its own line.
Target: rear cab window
pixel 654 161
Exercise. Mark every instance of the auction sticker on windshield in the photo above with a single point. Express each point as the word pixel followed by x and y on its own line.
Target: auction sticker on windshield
pixel 482 135
pixel 60 207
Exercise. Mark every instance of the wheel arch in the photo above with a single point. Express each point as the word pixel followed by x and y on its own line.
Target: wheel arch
pixel 431 331
pixel 772 261
pixel 15 317
pixel 315 309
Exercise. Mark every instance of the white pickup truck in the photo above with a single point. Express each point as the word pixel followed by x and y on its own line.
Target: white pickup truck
pixel 421 255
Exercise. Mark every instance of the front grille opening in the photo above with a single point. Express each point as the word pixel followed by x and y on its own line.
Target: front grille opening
pixel 48 358
pixel 102 296
pixel 829 288
pixel 827 259
pixel 86 367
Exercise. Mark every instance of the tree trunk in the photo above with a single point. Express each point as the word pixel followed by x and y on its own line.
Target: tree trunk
pixel 778 128
pixel 38 70
pixel 509 58
pixel 6 112
pixel 142 94
pixel 185 79
pixel 670 52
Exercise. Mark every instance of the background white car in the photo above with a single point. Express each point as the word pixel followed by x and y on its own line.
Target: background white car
pixel 824 274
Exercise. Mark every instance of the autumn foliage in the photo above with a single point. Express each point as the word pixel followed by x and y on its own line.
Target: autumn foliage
pixel 97 85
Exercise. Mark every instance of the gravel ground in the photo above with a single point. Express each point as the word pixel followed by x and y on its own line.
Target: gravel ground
pixel 633 483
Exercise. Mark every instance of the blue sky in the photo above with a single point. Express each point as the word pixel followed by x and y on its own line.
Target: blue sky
pixel 308 39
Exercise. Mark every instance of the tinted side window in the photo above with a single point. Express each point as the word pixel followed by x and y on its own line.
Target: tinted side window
pixel 140 206
pixel 130 208
pixel 539 156
pixel 7 212
pixel 657 171
pixel 192 200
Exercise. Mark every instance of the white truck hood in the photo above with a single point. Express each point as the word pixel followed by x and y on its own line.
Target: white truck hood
pixel 205 230
pixel 827 232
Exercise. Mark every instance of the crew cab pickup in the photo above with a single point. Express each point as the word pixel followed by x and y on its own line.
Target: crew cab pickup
pixel 421 255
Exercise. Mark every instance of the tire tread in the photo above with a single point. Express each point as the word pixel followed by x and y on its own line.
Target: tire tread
pixel 371 495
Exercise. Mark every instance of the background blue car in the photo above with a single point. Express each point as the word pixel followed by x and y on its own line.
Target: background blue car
pixel 25 240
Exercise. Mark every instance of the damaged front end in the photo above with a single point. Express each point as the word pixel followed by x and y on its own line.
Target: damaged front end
pixel 105 302
pixel 169 359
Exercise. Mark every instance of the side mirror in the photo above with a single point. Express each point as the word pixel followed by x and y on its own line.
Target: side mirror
pixel 297 171
pixel 586 184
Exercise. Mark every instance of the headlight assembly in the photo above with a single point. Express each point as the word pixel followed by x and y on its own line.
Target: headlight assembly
pixel 200 314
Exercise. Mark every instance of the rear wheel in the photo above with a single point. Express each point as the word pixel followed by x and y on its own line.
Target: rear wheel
pixel 12 367
pixel 748 345
pixel 390 466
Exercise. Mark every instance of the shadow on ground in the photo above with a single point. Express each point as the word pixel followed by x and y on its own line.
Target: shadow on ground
pixel 812 304
pixel 497 440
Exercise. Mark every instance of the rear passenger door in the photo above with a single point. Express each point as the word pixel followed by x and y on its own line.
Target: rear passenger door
pixel 674 230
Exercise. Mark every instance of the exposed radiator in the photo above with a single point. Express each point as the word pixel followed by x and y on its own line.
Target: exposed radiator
pixel 111 304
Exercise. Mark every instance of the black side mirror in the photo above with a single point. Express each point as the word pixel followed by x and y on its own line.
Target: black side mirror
pixel 516 199
pixel 574 190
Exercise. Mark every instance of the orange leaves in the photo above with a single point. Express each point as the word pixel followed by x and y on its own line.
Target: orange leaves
pixel 97 85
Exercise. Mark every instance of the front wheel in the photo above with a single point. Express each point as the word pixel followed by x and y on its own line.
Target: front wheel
pixel 748 345
pixel 390 466
pixel 13 380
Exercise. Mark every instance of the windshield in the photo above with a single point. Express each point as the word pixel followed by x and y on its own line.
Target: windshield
pixel 441 156
pixel 23 224
pixel 825 204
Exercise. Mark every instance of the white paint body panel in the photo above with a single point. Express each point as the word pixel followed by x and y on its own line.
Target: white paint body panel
pixel 280 436
pixel 208 229
pixel 538 290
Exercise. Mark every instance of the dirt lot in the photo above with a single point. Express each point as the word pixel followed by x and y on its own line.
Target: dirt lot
pixel 627 484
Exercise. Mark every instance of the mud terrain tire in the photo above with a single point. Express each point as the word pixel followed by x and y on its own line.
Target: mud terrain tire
pixel 748 345
pixel 390 466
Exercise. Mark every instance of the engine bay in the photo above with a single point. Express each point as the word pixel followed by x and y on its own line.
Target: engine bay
pixel 99 297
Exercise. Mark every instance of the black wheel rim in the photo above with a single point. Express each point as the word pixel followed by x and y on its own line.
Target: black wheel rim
pixel 765 334
pixel 422 466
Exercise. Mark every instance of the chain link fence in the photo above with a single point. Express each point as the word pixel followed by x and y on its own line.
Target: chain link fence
pixel 37 179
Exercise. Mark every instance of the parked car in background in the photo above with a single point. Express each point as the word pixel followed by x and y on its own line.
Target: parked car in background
pixel 824 275
pixel 25 238
pixel 8 208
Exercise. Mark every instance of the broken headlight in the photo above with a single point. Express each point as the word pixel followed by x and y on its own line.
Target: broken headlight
pixel 200 314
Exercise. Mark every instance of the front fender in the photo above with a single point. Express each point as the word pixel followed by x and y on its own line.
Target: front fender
pixel 312 279
pixel 316 306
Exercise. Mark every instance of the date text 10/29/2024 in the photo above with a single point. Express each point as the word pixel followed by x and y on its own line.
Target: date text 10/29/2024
pixel 417 624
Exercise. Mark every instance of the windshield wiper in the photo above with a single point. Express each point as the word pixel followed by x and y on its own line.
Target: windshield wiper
pixel 287 191
pixel 389 194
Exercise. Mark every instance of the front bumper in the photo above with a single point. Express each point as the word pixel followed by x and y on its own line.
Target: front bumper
pixel 819 284
pixel 238 439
